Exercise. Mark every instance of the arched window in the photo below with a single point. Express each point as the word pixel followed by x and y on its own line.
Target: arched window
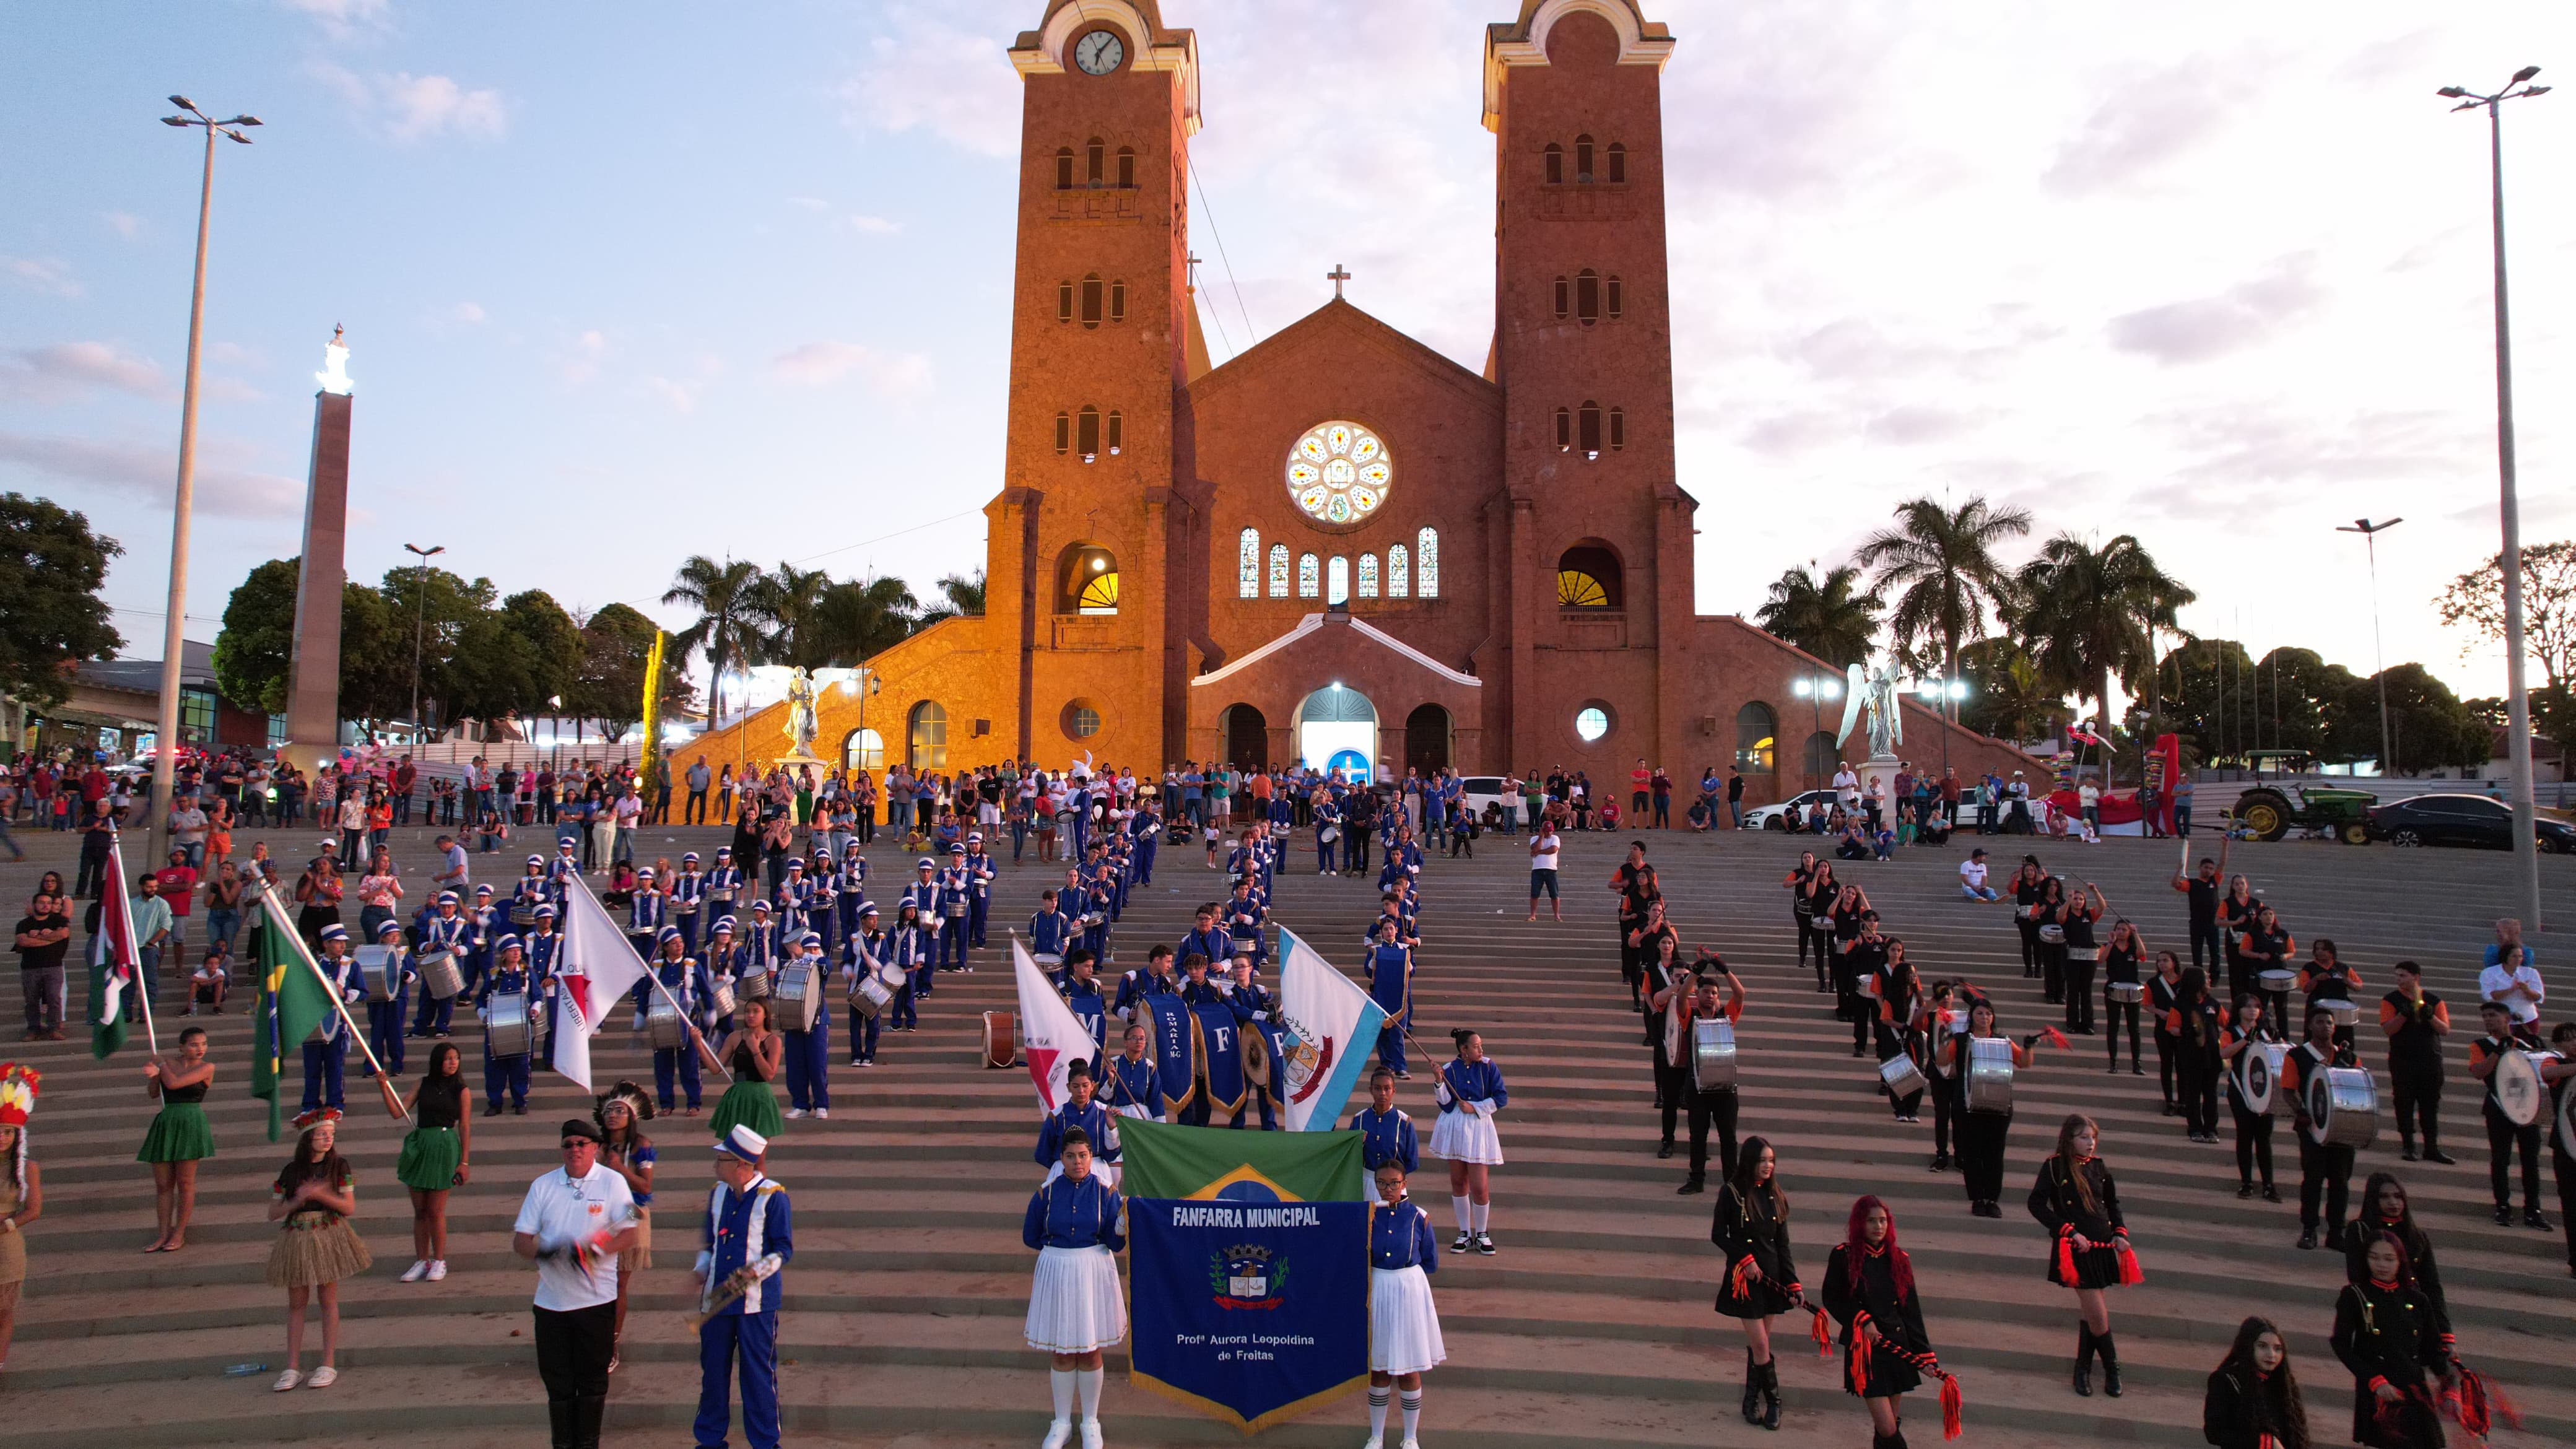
pixel 862 750
pixel 1583 160
pixel 1086 432
pixel 1368 576
pixel 1426 563
pixel 1614 297
pixel 1564 297
pixel 1618 429
pixel 1309 576
pixel 926 734
pixel 1278 570
pixel 1399 572
pixel 1064 301
pixel 1618 163
pixel 1064 168
pixel 1118 302
pixel 1337 581
pixel 1756 736
pixel 1127 168
pixel 1565 430
pixel 1587 296
pixel 1092 155
pixel 1822 756
pixel 1086 580
pixel 1064 432
pixel 1587 428
pixel 1091 300
pixel 1588 577
pixel 1555 164
pixel 1117 432
pixel 1247 565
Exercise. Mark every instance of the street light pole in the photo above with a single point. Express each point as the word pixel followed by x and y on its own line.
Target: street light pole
pixel 420 625
pixel 2526 810
pixel 174 623
pixel 2370 533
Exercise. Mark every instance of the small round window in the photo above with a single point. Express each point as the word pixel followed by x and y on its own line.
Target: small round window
pixel 1339 472
pixel 1591 722
pixel 1081 721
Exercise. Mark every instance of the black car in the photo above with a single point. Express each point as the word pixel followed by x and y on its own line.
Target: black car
pixel 2459 820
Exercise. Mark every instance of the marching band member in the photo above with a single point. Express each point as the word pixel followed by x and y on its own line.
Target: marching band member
pixel 1751 1227
pixel 2562 1153
pixel 761 942
pixel 480 936
pixel 2029 886
pixel 2074 1199
pixel 2264 944
pixel 533 885
pixel 794 900
pixel 324 1059
pixel 2164 995
pixel 2122 961
pixel 2048 916
pixel 2416 1022
pixel 2199 1055
pixel 1154 978
pixel 1667 1008
pixel 2504 1137
pixel 1869 1290
pixel 174 1144
pixel 385 1018
pixel 1900 1005
pixel 954 906
pixel 1135 1088
pixel 1639 888
pixel 1076 1307
pixel 626 1151
pixel 1982 1135
pixel 850 888
pixel 1386 1133
pixel 823 902
pixel 1328 833
pixel 688 898
pixel 1206 937
pixel 1050 930
pixel 756 1056
pixel 437 1158
pixel 2325 1168
pixel 915 956
pixel 1099 909
pixel 923 896
pixel 1246 912
pixel 509 973
pixel 1390 970
pixel 870 954
pixel 1799 882
pixel 1840 919
pixel 1864 959
pixel 2387 1333
pixel 313 1199
pixel 724 883
pixel 444 932
pixel 564 871
pixel 1930 1029
pixel 1470 1092
pixel 2327 980
pixel 979 888
pixel 723 962
pixel 2253 1129
pixel 1404 1324
pixel 2075 920
pixel 748 1221
pixel 809 1052
pixel 687 982
pixel 543 950
pixel 1081 992
pixel 1080 1113
pixel 2253 1399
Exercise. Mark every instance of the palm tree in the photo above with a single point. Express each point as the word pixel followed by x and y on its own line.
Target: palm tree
pixel 726 629
pixel 1939 564
pixel 2085 614
pixel 958 595
pixel 785 602
pixel 854 620
pixel 1827 617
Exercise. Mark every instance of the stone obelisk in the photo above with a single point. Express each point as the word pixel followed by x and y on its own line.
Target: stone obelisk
pixel 313 679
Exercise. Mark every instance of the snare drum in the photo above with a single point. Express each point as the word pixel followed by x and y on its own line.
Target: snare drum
pixel 1713 1054
pixel 870 997
pixel 1901 1076
pixel 662 1025
pixel 954 908
pixel 800 996
pixel 2276 982
pixel 1001 1039
pixel 2346 1015
pixel 2124 993
pixel 523 916
pixel 2052 933
pixel 1047 961
pixel 440 976
pixel 1990 1074
pixel 1329 834
pixel 372 971
pixel 2517 1088
pixel 753 984
pixel 508 1029
pixel 721 1000
pixel 2343 1102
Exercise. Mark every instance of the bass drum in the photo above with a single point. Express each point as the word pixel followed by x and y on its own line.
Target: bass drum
pixel 800 996
pixel 2343 1102
pixel 2517 1089
pixel 1001 1040
pixel 509 1030
pixel 371 970
pixel 1990 1074
pixel 2258 1071
pixel 439 974
pixel 1712 1054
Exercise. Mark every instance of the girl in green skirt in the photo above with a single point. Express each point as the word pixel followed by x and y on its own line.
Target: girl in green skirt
pixel 437 1156
pixel 753 1053
pixel 178 1138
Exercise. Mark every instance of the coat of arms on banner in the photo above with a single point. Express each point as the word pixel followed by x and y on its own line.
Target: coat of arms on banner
pixel 1247 1276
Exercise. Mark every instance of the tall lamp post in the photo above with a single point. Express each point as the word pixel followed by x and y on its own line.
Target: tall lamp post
pixel 419 626
pixel 2526 811
pixel 174 625
pixel 1815 687
pixel 1943 695
pixel 2370 532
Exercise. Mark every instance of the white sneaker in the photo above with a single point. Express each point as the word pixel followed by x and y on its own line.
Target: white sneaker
pixel 437 1270
pixel 413 1273
pixel 1057 1435
pixel 822 1112
pixel 1374 1441
pixel 323 1378
pixel 1091 1434
pixel 287 1380
pixel 795 1112
pixel 1412 1444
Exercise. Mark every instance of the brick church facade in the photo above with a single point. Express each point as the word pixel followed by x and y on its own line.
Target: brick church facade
pixel 1342 546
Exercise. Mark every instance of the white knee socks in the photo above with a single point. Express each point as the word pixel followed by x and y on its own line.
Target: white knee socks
pixel 1484 1212
pixel 1060 1385
pixel 1412 1399
pixel 1459 1202
pixel 1377 1412
pixel 1088 1380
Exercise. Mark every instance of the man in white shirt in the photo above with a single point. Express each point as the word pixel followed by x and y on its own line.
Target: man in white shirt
pixel 452 873
pixel 573 1224
pixel 630 813
pixel 2511 977
pixel 1543 848
pixel 1972 878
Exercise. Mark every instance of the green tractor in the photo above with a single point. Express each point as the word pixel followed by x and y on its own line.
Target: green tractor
pixel 2266 811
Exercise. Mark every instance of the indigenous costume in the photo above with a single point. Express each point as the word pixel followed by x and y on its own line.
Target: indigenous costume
pixel 18 1083
pixel 316 1246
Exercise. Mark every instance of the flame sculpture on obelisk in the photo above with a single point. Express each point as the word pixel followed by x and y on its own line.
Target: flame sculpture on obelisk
pixel 313 679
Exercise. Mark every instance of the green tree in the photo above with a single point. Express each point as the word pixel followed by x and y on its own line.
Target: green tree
pixel 554 643
pixel 2006 699
pixel 434 609
pixel 608 686
pixel 2475 601
pixel 375 656
pixel 728 627
pixel 2429 728
pixel 494 671
pixel 959 595
pixel 256 646
pixel 785 603
pixel 855 620
pixel 1939 566
pixel 1828 617
pixel 2084 613
pixel 51 567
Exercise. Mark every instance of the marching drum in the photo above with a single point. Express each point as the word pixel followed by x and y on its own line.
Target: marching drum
pixel 2124 993
pixel 438 972
pixel 2346 1015
pixel 2053 933
pixel 2343 1102
pixel 1990 1074
pixel 871 997
pixel 509 1031
pixel 1713 1054
pixel 371 970
pixel 800 996
pixel 1047 961
pixel 720 1000
pixel 1901 1076
pixel 2516 1086
pixel 954 908
pixel 523 916
pixel 2276 982
pixel 2258 1068
pixel 753 984
pixel 662 1025
pixel 1001 1039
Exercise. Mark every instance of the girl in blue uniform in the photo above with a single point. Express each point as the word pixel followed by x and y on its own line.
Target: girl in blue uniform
pixel 1386 1134
pixel 1075 1306
pixel 1404 1325
pixel 915 955
pixel 1471 1091
pixel 1390 976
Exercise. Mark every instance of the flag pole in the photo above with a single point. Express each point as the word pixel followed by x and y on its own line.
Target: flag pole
pixel 652 973
pixel 277 922
pixel 133 952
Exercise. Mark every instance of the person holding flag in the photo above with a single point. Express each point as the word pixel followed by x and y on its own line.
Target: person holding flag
pixel 1390 978
pixel 178 1138
pixel 292 1000
pixel 1135 1089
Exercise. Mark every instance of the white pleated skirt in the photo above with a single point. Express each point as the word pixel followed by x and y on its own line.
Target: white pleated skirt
pixel 1075 1304
pixel 1404 1327
pixel 1464 1136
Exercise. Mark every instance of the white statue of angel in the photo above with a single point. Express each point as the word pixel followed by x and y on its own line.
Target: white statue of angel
pixel 801 724
pixel 1875 693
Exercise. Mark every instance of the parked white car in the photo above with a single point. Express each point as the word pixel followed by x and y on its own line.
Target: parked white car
pixel 1478 791
pixel 1780 816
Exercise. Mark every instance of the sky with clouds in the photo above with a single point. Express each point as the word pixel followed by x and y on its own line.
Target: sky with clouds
pixel 707 279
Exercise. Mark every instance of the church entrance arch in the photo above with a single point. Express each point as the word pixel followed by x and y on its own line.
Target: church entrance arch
pixel 1247 738
pixel 1426 740
pixel 1336 729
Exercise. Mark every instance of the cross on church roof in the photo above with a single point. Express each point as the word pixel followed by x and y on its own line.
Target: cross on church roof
pixel 1337 276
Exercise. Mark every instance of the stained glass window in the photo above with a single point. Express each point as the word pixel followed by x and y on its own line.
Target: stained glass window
pixel 1308 579
pixel 1337 581
pixel 1278 570
pixel 1576 589
pixel 1368 576
pixel 1426 562
pixel 1247 565
pixel 1399 572
pixel 1339 472
pixel 1099 594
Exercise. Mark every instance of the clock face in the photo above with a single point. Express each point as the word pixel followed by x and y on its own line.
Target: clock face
pixel 1098 53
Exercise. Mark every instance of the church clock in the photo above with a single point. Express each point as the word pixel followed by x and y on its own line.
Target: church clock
pixel 1099 52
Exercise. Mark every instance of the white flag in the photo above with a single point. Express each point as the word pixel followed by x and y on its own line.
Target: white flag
pixel 596 968
pixel 1052 1038
pixel 1335 1026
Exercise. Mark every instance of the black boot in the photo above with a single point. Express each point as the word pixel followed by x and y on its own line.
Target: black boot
pixel 2110 1364
pixel 2084 1360
pixel 587 1412
pixel 1752 1386
pixel 1771 1394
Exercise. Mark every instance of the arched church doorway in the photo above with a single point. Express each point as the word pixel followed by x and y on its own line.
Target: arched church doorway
pixel 1426 740
pixel 1247 738
pixel 1337 730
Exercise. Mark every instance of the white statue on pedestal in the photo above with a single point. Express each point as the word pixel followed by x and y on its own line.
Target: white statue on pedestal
pixel 801 724
pixel 1875 693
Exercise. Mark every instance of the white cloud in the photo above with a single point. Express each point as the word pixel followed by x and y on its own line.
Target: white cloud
pixel 41 274
pixel 2240 317
pixel 125 224
pixel 75 369
pixel 411 107
pixel 347 19
pixel 580 363
pixel 470 313
pixel 2146 121
pixel 816 363
pixel 809 203
pixel 871 225
pixel 947 79
pixel 147 473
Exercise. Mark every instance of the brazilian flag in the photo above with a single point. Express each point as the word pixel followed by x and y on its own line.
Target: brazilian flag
pixel 1157 1160
pixel 292 1001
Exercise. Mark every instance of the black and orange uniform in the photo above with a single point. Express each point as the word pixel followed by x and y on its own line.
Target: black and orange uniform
pixel 2504 1139
pixel 2415 1063
pixel 2366 1229
pixel 2253 1129
pixel 2389 1333
pixel 1935 1061
pixel 2325 1169
pixel 2329 985
pixel 1879 1301
pixel 2163 995
pixel 1710 1106
pixel 2197 1061
pixel 2079 1200
pixel 1982 1134
pixel 2026 893
pixel 2562 1161
pixel 1638 889
pixel 1820 928
pixel 2265 950
pixel 1754 1232
pixel 1864 962
pixel 2051 918
pixel 2236 917
pixel 2122 964
pixel 2237 1413
pixel 2083 955
pixel 1899 1004
pixel 1845 920
pixel 1802 914
pixel 1669 1041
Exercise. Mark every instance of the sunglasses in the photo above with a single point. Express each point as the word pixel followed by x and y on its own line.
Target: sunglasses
pixel 571 1143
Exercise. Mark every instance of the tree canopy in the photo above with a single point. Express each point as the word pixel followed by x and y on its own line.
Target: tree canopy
pixel 51 567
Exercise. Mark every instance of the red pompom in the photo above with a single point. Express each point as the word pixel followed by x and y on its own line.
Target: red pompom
pixel 1952 1403
pixel 2066 1257
pixel 1824 1338
pixel 2056 1038
pixel 1857 1367
pixel 2130 1272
